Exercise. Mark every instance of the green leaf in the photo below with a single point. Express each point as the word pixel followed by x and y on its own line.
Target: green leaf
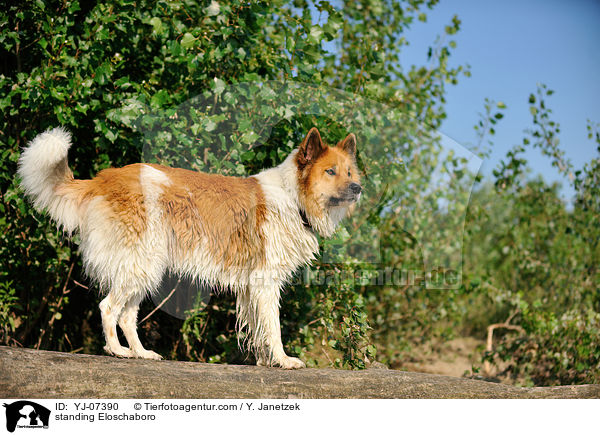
pixel 157 26
pixel 160 98
pixel 248 137
pixel 213 9
pixel 210 125
pixel 219 86
pixel 315 34
pixel 74 6
pixel 247 156
pixel 188 40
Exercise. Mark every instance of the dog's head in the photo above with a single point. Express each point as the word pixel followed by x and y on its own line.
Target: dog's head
pixel 328 180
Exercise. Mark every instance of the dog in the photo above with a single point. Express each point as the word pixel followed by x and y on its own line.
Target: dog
pixel 247 235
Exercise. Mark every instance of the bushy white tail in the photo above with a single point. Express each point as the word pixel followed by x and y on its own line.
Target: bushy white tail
pixel 43 170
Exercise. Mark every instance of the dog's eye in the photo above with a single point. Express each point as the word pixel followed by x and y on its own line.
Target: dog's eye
pixel 330 171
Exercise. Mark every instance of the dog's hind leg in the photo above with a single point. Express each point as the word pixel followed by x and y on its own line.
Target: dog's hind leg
pixel 128 323
pixel 110 310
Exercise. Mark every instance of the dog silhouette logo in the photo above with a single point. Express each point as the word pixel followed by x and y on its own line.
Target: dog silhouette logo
pixel 26 414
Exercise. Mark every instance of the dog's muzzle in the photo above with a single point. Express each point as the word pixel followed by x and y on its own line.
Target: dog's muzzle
pixel 351 194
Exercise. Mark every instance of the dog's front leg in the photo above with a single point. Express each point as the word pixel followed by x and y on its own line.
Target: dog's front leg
pixel 265 329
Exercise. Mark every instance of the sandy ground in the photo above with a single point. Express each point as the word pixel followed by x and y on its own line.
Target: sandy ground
pixel 453 358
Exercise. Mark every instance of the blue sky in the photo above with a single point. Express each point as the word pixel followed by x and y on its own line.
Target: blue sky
pixel 511 46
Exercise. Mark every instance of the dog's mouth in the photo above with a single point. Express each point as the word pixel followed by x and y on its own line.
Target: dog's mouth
pixel 350 198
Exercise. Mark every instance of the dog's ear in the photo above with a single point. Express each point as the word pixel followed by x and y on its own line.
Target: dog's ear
pixel 311 147
pixel 348 144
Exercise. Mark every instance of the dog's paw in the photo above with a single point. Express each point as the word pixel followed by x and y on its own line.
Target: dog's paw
pixel 289 362
pixel 148 354
pixel 121 352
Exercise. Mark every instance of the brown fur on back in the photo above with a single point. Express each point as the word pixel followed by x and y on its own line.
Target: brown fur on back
pixel 122 193
pixel 226 212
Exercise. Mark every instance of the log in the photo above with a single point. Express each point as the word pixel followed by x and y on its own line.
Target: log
pixel 28 373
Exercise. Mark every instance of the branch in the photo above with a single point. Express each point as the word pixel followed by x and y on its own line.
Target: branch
pixel 42 374
pixel 489 347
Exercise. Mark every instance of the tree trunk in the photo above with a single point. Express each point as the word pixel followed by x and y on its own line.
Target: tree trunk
pixel 27 373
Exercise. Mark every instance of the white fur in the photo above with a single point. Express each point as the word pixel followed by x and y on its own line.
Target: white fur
pixel 42 167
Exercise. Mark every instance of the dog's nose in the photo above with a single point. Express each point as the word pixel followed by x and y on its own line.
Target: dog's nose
pixel 355 188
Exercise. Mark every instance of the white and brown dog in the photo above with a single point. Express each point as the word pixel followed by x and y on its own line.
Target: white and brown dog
pixel 245 234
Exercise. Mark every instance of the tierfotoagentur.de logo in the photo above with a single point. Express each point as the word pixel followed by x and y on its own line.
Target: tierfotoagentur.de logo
pixel 25 414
